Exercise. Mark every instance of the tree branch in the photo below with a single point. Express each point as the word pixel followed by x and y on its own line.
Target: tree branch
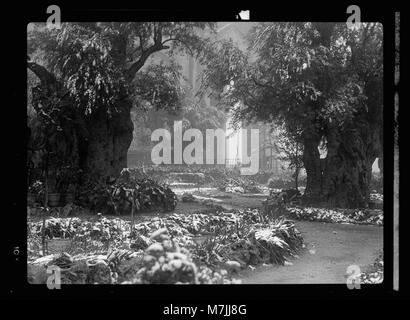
pixel 264 85
pixel 46 77
pixel 181 41
pixel 141 44
pixel 157 46
pixel 137 65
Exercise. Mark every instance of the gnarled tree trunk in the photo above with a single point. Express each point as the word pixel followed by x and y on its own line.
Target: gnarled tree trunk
pixel 351 154
pixel 106 142
pixel 103 140
pixel 344 178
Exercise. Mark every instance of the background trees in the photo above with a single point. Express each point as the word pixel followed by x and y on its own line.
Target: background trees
pixel 292 151
pixel 321 80
pixel 96 73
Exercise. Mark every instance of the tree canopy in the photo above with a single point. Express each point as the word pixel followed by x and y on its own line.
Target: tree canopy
pixel 322 80
pixel 98 61
pixel 99 71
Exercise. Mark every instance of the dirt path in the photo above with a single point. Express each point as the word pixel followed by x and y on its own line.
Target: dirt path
pixel 335 247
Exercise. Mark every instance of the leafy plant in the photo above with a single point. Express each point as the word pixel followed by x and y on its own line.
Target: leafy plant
pixel 132 188
pixel 354 216
pixel 164 250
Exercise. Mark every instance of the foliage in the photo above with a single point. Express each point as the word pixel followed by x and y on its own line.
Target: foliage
pixel 376 182
pixel 91 73
pixel 353 216
pixel 146 193
pixel 211 173
pixel 291 75
pixel 130 189
pixel 376 197
pixel 292 151
pixel 36 188
pixel 82 59
pixel 238 184
pixel 322 81
pixel 168 248
pixel 159 86
pixel 165 262
pixel 201 115
pixel 226 179
pixel 98 62
pixel 374 273
pixel 261 177
pixel 280 183
pixel 49 150
pixel 193 111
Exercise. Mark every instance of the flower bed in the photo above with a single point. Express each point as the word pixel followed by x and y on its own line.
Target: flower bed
pixel 354 216
pixel 226 179
pixel 168 249
pixel 375 273
pixel 131 189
